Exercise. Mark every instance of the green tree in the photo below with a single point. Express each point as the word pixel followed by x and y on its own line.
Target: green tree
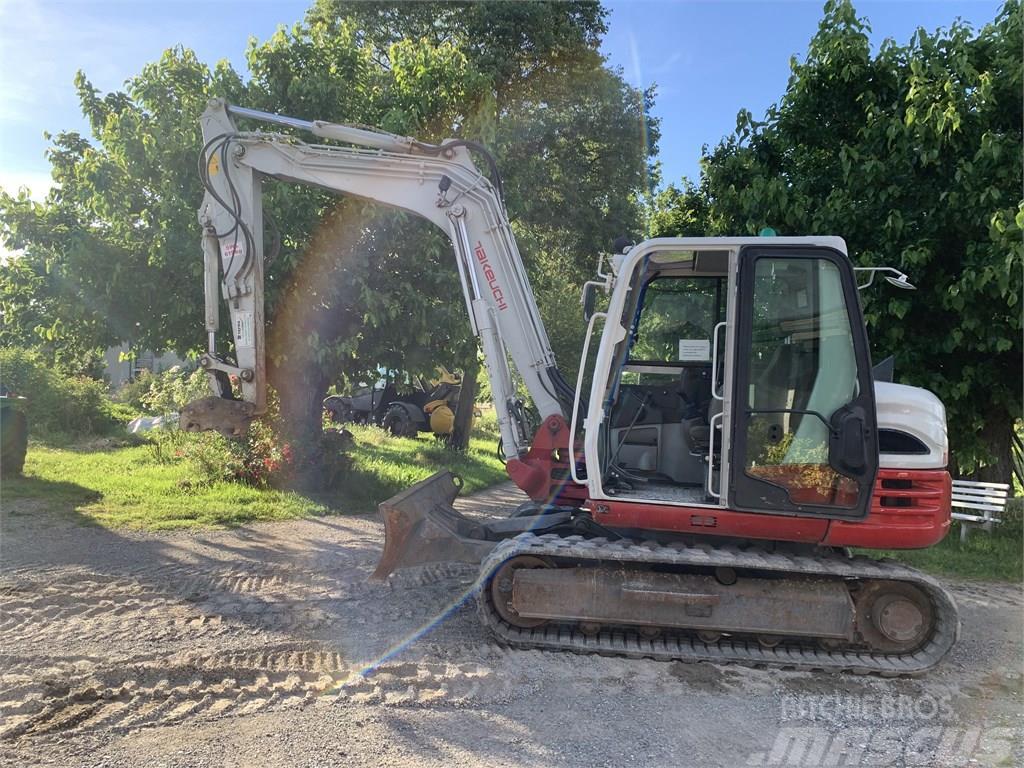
pixel 110 255
pixel 353 287
pixel 913 155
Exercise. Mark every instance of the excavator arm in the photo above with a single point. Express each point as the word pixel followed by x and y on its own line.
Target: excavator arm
pixel 438 182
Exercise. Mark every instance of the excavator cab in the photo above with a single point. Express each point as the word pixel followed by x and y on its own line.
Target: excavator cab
pixel 744 360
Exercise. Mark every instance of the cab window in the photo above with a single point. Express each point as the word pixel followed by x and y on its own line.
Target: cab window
pixel 677 319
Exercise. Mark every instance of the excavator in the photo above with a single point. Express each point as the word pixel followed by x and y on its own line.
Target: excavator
pixel 700 498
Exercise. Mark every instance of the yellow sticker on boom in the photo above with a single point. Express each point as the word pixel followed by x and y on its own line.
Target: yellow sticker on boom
pixel 213 166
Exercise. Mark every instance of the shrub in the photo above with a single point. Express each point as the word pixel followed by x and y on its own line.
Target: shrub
pixel 120 413
pixel 131 392
pixel 260 459
pixel 253 460
pixel 485 426
pixel 162 393
pixel 1013 517
pixel 57 405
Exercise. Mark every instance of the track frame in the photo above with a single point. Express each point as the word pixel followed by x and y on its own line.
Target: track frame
pixel 684 646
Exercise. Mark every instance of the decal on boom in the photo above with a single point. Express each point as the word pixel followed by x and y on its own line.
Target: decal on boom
pixel 492 279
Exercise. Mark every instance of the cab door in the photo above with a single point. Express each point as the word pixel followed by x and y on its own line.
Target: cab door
pixel 803 434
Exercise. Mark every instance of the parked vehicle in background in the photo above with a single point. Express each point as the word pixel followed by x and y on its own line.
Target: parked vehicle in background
pixel 367 405
pixel 404 411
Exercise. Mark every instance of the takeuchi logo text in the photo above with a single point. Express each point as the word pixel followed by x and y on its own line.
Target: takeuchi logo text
pixel 492 279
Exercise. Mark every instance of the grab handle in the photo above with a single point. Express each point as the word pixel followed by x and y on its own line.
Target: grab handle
pixel 576 400
pixel 714 361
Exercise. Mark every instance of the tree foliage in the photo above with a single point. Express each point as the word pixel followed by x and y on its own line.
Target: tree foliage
pixel 354 286
pixel 913 155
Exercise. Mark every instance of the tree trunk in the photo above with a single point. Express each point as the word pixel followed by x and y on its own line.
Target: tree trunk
pixel 301 407
pixel 1017 451
pixel 465 407
pixel 300 391
pixel 997 436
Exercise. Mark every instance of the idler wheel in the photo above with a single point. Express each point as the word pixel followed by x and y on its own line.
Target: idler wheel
pixel 501 589
pixel 893 617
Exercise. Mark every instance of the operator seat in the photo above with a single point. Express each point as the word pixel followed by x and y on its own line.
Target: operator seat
pixel 698 436
pixel 698 407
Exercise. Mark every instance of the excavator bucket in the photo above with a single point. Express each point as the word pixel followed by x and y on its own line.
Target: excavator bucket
pixel 229 417
pixel 421 526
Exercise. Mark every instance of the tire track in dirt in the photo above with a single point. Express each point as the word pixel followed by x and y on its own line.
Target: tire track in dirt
pixel 107 622
pixel 80 609
pixel 159 690
pixel 428 684
pixel 182 582
pixel 1011 595
pixel 85 611
pixel 93 607
pixel 156 691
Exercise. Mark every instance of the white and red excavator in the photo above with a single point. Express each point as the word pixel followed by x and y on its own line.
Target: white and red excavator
pixel 701 500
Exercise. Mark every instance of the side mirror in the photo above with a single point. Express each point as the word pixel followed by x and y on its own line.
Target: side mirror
pixel 589 300
pixel 847 450
pixel 900 280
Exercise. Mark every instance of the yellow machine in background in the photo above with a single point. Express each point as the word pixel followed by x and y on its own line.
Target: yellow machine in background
pixel 432 410
pixel 404 408
pixel 441 410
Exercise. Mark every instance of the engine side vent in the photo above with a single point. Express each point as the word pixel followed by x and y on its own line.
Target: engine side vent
pixel 910 492
pixel 896 501
pixel 895 441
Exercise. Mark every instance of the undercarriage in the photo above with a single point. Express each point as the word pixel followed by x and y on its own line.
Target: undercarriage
pixel 557 581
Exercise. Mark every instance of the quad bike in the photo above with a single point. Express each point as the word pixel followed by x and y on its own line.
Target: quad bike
pixel 367 405
pixel 424 411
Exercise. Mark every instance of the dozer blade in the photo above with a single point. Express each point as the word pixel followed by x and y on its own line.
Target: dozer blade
pixel 421 526
pixel 229 417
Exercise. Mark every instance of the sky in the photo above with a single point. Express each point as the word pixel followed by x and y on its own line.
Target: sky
pixel 708 59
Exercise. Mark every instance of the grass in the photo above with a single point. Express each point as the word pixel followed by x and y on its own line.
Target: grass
pixel 124 487
pixel 383 465
pixel 116 485
pixel 996 556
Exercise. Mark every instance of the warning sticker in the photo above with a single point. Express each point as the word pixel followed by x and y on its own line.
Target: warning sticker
pixel 243 329
pixel 694 350
pixel 230 251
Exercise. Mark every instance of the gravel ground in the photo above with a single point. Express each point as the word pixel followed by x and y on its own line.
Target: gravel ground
pixel 266 645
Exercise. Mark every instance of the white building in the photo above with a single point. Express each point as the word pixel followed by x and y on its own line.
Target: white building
pixel 121 365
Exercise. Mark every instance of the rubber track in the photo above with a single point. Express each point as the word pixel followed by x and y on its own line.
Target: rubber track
pixel 682 647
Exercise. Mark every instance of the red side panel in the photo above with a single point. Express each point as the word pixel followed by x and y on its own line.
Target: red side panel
pixel 910 509
pixel 708 521
pixel 543 473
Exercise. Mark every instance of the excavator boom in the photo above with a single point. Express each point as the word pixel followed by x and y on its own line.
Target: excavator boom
pixel 437 182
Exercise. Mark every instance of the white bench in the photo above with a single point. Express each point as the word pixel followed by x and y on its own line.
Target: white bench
pixel 983 500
